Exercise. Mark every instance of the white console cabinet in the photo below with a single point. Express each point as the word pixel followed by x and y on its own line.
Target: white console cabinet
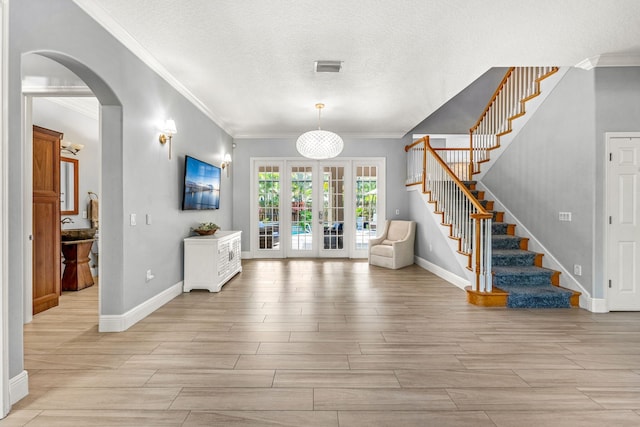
pixel 210 261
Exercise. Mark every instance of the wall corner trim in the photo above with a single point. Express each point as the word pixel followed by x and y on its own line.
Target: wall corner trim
pixel 458 281
pixel 19 387
pixel 122 322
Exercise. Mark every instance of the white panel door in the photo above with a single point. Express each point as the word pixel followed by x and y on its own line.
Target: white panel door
pixel 623 203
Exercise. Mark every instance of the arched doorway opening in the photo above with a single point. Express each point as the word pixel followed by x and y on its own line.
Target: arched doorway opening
pixel 110 142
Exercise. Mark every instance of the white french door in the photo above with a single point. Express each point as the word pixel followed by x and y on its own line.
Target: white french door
pixel 266 209
pixel 318 205
pixel 368 203
pixel 309 208
pixel 623 231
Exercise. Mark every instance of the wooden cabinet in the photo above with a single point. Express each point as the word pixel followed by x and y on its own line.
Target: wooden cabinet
pixel 211 261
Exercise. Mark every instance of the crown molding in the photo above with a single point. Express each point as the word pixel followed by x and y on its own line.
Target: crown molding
pixel 62 91
pixel 610 60
pixel 102 17
pixel 344 135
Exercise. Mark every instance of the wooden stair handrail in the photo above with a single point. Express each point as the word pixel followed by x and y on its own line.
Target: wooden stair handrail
pixel 493 99
pixel 528 87
pixel 482 212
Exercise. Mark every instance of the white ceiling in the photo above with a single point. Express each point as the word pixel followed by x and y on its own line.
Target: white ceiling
pixel 249 63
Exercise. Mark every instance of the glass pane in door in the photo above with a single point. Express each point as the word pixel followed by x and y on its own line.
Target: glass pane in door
pixel 366 185
pixel 333 200
pixel 301 208
pixel 269 207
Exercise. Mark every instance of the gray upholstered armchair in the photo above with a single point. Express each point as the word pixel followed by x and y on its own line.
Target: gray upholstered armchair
pixel 394 248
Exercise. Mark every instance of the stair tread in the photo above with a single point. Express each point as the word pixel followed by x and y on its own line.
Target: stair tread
pixel 546 296
pixel 511 252
pixel 523 270
pixel 539 290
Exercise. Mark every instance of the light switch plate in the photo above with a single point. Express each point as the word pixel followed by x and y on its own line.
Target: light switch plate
pixel 132 220
pixel 577 270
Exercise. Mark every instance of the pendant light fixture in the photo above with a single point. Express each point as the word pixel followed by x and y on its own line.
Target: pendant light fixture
pixel 319 144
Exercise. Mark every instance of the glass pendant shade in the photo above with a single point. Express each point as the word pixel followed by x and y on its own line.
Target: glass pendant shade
pixel 319 144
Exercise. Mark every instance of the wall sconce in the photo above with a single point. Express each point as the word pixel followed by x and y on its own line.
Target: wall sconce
pixel 226 163
pixel 169 130
pixel 66 146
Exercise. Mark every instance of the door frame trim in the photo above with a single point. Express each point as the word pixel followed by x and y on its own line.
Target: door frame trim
pixel 4 214
pixel 605 220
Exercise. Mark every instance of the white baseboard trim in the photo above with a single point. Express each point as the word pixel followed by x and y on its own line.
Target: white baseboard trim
pixel 442 273
pixel 594 305
pixel 18 387
pixel 122 322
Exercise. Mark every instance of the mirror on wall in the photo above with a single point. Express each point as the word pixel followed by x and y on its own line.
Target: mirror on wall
pixel 68 186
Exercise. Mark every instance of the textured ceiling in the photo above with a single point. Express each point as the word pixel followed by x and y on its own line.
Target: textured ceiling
pixel 250 62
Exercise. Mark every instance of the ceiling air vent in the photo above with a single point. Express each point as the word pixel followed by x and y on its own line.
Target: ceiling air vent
pixel 328 66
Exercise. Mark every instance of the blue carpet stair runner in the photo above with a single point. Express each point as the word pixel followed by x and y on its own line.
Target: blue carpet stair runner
pixel 517 270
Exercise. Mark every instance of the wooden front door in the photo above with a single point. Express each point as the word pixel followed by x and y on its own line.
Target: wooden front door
pixel 46 218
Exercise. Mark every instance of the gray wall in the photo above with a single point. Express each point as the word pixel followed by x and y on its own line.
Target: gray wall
pixel 462 111
pixel 550 167
pixel 392 149
pixel 431 245
pixel 136 177
pixel 617 92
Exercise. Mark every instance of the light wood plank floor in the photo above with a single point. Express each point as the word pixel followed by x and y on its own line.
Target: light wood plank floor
pixel 331 343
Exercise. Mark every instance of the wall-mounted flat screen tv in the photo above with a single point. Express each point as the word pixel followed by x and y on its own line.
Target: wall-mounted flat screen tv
pixel 201 185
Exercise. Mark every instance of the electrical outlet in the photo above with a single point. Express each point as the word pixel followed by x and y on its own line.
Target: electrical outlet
pixel 564 216
pixel 148 219
pixel 577 270
pixel 397 211
pixel 150 276
pixel 84 214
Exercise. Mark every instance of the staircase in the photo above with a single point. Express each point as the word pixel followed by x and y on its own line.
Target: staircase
pixel 506 272
pixel 519 280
